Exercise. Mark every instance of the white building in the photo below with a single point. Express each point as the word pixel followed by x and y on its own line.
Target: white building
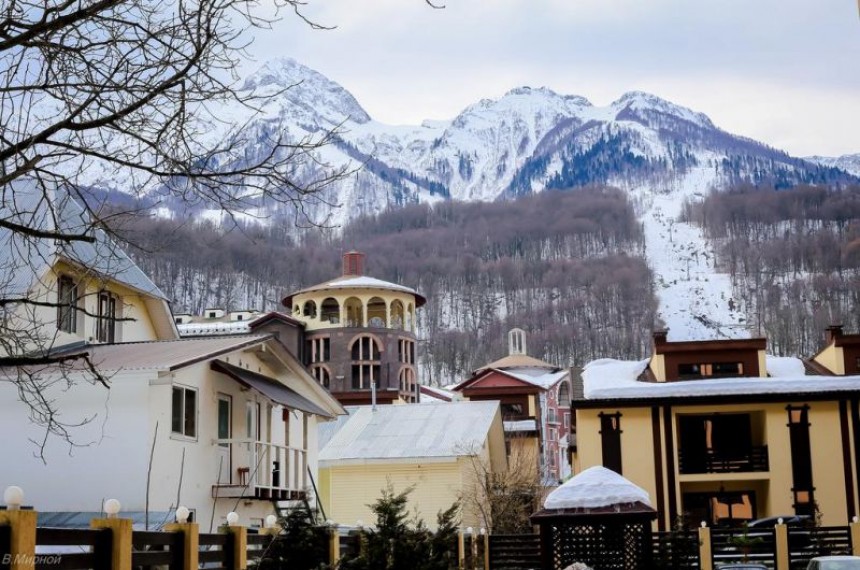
pixel 215 424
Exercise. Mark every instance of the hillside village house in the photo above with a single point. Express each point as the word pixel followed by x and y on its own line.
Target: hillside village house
pixel 440 450
pixel 232 420
pixel 721 432
pixel 535 403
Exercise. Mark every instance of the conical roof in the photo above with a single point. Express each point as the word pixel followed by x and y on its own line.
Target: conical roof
pixel 596 487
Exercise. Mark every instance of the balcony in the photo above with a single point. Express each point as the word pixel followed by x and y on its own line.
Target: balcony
pixel 260 470
pixel 754 459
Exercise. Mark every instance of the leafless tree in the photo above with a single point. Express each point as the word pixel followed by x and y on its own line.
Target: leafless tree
pixel 122 90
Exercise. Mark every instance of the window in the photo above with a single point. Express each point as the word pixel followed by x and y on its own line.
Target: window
pixel 319 350
pixel 366 367
pixel 801 460
pixel 406 351
pixel 407 383
pixel 310 309
pixel 184 412
pixel 708 370
pixel 564 395
pixel 552 417
pixel 566 420
pixel 322 375
pixel 212 314
pixel 225 403
pixel 106 325
pixel 726 369
pixel 239 317
pixel 610 440
pixel 513 410
pixel 330 311
pixel 67 301
pixel 857 364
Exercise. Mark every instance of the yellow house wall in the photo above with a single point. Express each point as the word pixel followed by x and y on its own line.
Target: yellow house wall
pixel 637 445
pixel 832 358
pixel 773 488
pixel 352 487
pixel 658 367
pixel 762 363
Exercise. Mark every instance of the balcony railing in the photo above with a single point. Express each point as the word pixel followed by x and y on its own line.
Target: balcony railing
pixel 711 461
pixel 261 470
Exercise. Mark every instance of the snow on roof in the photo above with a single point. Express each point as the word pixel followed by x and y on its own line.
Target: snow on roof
pixel 395 432
pixel 596 487
pixel 612 379
pixel 365 281
pixel 538 377
pixel 436 394
pixel 521 425
pixel 206 329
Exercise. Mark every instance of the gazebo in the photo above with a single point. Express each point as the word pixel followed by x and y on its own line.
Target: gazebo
pixel 598 518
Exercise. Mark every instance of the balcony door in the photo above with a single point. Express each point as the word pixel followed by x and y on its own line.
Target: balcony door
pixel 715 443
pixel 225 431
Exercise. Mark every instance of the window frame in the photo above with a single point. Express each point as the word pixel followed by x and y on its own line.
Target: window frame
pixel 67 309
pixel 184 409
pixel 106 324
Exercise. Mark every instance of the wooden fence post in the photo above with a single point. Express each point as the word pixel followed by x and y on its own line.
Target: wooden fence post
pixel 190 543
pixel 239 537
pixel 782 553
pixel 22 551
pixel 486 536
pixel 461 551
pixel 333 545
pixel 706 561
pixel 121 530
pixel 855 536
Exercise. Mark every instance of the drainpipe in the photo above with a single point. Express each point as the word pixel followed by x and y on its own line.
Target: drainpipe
pixel 373 395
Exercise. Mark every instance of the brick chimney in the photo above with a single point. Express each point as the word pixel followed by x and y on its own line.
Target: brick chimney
pixel 353 263
pixel 659 340
pixel 832 332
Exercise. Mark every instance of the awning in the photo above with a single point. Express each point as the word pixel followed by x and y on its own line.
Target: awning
pixel 270 388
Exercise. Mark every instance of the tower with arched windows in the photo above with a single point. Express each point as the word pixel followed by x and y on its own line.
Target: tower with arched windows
pixel 360 333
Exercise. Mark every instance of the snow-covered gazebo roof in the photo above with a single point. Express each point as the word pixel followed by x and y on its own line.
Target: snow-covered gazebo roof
pixel 594 488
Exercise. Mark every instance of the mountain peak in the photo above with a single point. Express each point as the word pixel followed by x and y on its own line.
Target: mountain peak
pixel 643 101
pixel 525 90
pixel 301 84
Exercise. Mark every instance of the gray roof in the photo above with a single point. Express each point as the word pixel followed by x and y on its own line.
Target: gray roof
pixel 25 258
pixel 163 355
pixel 394 432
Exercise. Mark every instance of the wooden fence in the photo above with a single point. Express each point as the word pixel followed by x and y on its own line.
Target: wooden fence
pixel 514 552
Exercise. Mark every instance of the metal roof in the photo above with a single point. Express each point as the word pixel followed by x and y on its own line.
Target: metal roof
pixel 27 258
pixel 164 354
pixel 394 432
pixel 270 388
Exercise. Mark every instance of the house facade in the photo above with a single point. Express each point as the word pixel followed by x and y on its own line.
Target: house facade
pixel 535 404
pixel 442 452
pixel 721 432
pixel 359 338
pixel 215 424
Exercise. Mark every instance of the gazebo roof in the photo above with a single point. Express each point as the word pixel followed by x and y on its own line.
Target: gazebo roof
pixel 598 490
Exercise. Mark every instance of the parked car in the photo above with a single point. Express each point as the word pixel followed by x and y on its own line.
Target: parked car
pixel 834 563
pixel 742 566
pixel 788 520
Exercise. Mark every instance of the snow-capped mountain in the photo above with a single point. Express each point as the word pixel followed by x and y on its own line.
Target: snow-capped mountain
pixel 528 140
pixel 848 162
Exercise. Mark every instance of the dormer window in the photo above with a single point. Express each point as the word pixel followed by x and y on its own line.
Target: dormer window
pixel 106 324
pixel 67 301
pixel 710 370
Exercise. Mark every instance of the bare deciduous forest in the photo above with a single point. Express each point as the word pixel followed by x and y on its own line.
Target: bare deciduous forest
pixel 565 266
pixel 793 255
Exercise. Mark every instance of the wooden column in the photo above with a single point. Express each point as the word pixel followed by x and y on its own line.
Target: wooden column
pixel 122 533
pixel 239 536
pixel 190 543
pixel 782 556
pixel 706 559
pixel 23 538
pixel 855 537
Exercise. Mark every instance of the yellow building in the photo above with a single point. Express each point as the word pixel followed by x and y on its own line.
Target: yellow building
pixel 718 431
pixel 360 335
pixel 435 449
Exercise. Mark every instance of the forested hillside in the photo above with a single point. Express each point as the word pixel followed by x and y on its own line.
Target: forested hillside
pixel 793 256
pixel 565 266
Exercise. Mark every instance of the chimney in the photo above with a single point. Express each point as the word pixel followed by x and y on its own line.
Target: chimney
pixel 660 340
pixel 353 263
pixel 832 332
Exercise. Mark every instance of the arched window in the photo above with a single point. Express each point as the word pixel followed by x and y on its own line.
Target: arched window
pixel 397 321
pixel 310 309
pixel 330 311
pixel 366 366
pixel 376 313
pixel 564 395
pixel 322 375
pixel 354 312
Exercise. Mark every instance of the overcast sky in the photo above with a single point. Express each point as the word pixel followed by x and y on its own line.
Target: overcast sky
pixel 785 72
